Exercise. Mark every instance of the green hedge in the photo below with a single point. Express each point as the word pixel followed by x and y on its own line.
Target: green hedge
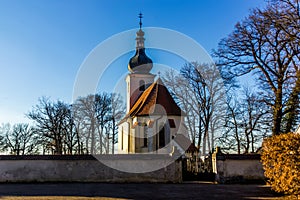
pixel 281 162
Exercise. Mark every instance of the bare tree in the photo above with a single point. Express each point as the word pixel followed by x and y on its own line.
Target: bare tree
pixel 53 120
pixel 199 91
pixel 231 138
pixel 246 122
pixel 72 143
pixel 103 109
pixel 117 112
pixel 267 44
pixel 86 121
pixel 20 139
pixel 96 117
pixel 253 119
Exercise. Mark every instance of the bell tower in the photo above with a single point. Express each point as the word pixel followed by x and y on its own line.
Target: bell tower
pixel 139 66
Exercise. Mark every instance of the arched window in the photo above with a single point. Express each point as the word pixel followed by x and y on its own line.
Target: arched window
pixel 145 136
pixel 161 137
pixel 142 85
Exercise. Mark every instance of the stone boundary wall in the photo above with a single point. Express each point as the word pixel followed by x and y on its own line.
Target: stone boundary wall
pixel 233 168
pixel 86 168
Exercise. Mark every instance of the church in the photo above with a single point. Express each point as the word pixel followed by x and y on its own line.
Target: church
pixel 153 120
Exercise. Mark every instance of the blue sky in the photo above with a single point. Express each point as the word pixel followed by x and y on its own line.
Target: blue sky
pixel 44 42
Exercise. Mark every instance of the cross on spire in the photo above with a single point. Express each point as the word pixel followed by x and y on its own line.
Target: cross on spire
pixel 141 16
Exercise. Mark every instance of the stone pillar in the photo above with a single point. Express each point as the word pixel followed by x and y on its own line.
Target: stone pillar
pixel 218 165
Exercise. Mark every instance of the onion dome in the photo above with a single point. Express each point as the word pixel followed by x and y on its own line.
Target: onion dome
pixel 140 62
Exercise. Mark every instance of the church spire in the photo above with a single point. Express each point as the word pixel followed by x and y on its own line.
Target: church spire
pixel 140 62
pixel 140 35
pixel 141 16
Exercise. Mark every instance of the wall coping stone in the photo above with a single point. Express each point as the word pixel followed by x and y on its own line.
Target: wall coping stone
pixel 238 156
pixel 88 157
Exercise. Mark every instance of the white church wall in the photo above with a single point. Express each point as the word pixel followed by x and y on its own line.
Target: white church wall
pixel 138 133
pixel 142 123
pixel 123 137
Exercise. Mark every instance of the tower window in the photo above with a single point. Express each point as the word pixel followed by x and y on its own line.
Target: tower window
pixel 142 85
pixel 172 123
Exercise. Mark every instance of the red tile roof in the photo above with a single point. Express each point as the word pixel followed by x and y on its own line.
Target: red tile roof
pixel 155 94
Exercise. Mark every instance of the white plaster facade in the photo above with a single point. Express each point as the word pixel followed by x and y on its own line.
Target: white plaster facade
pixel 146 136
pixel 153 118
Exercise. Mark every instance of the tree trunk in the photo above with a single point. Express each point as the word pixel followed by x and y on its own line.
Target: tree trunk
pixel 277 110
pixel 252 141
pixel 92 151
pixel 113 135
pixel 247 147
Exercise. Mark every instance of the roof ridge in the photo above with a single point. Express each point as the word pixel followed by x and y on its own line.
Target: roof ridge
pixel 141 101
pixel 150 98
pixel 157 84
pixel 147 94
